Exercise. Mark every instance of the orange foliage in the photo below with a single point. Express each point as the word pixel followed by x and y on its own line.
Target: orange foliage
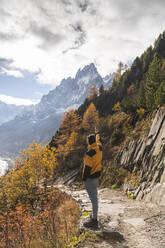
pixel 90 118
pixel 53 222
pixel 93 92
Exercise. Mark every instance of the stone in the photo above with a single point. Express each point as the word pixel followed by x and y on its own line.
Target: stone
pixel 143 185
pixel 137 191
pixel 140 196
pixel 113 224
pixel 157 195
pixel 162 180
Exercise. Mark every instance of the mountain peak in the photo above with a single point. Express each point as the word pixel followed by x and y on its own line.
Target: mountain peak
pixel 87 70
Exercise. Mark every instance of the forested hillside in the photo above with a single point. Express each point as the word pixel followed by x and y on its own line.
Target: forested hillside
pixel 121 113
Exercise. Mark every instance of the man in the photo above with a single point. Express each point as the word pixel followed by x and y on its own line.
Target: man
pixel 91 174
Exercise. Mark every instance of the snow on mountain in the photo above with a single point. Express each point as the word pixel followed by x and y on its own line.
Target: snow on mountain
pixel 71 92
pixel 108 80
pixel 5 164
pixel 9 111
pixel 40 122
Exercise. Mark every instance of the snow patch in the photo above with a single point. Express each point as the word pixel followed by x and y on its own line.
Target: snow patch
pixel 84 80
pixel 3 166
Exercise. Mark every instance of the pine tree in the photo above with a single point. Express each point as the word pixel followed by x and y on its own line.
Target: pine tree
pixel 90 118
pixel 136 70
pixel 140 98
pixel 146 59
pixel 160 94
pixel 159 46
pixel 101 90
pixel 153 81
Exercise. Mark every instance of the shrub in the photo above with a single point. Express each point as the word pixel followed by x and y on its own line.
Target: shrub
pixel 141 113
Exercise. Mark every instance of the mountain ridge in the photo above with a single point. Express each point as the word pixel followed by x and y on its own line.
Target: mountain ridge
pixel 10 111
pixel 41 121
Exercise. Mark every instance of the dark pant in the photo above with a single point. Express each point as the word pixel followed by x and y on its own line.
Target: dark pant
pixel 91 185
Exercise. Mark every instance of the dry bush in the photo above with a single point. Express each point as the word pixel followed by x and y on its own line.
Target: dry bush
pixel 69 215
pixel 111 174
pixel 133 179
pixel 51 224
pixel 60 222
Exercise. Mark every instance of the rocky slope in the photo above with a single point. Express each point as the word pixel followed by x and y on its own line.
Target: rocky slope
pixel 148 155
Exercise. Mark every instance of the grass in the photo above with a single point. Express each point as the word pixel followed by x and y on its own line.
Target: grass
pixel 86 213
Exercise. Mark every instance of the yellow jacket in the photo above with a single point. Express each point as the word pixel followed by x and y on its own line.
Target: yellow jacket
pixel 92 160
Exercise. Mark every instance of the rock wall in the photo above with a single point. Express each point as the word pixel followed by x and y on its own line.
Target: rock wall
pixel 148 155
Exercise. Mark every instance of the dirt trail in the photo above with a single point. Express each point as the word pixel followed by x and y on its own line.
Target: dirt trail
pixel 125 223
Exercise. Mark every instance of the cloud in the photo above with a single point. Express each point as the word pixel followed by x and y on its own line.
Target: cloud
pixel 55 38
pixel 7 68
pixel 83 5
pixel 13 73
pixel 8 36
pixel 48 37
pixel 5 62
pixel 81 37
pixel 17 101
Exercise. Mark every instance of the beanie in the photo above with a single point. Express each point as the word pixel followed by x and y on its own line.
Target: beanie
pixel 91 139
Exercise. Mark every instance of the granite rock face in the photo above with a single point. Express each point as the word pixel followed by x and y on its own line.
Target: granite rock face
pixel 148 155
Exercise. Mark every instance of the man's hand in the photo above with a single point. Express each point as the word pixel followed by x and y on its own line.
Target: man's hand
pixel 96 130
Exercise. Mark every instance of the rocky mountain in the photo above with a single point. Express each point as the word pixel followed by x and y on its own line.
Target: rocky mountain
pixel 40 122
pixel 72 91
pixel 108 80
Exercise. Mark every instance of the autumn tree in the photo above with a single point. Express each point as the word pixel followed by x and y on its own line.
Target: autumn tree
pixel 71 143
pixel 90 118
pixel 93 92
pixel 33 168
pixel 71 122
pixel 118 73
pixel 72 151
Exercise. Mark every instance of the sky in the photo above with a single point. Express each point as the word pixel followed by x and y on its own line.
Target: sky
pixel 44 41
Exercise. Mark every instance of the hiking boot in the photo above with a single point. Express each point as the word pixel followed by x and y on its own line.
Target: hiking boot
pixel 92 223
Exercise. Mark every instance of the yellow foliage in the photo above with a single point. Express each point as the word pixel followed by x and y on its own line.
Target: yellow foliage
pixel 34 167
pixel 93 92
pixel 90 118
pixel 117 107
pixel 71 122
pixel 70 145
